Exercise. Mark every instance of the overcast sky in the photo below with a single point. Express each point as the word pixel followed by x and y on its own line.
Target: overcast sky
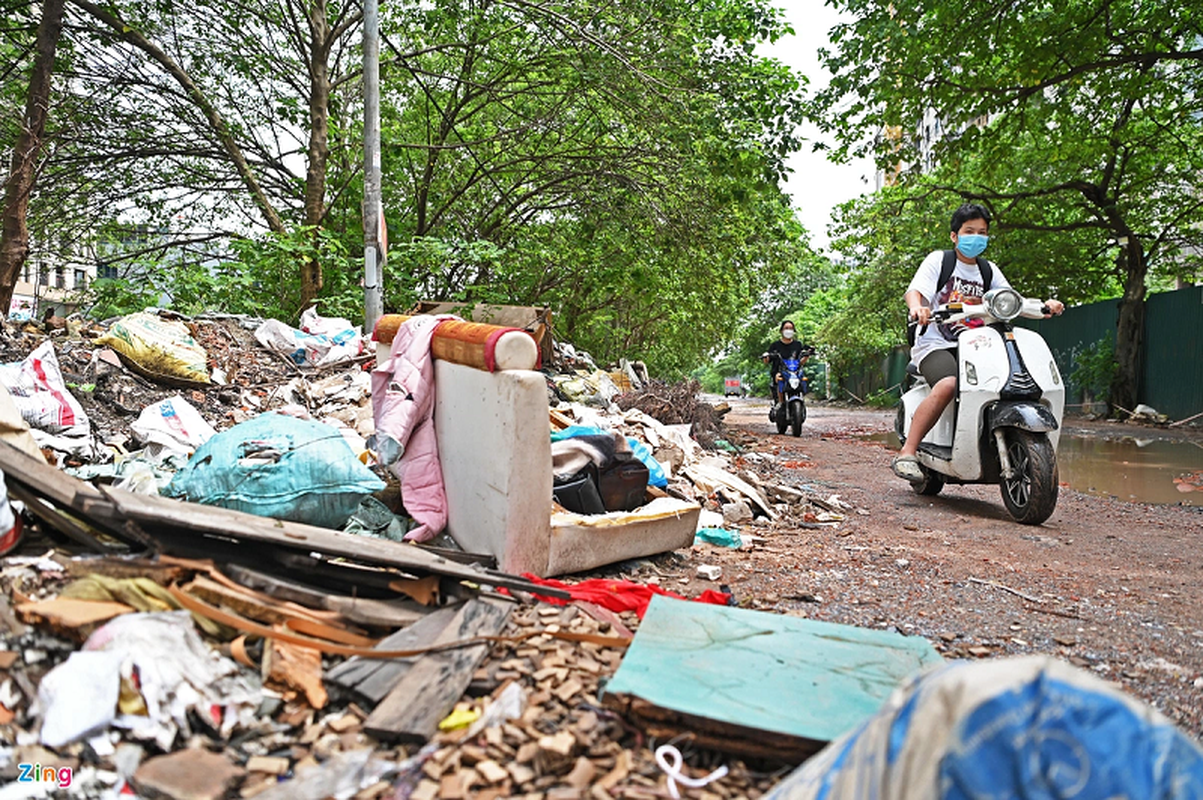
pixel 816 185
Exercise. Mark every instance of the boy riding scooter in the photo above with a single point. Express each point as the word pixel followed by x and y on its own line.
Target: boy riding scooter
pixel 947 277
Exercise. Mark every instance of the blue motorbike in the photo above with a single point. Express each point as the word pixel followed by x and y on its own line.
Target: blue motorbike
pixel 791 409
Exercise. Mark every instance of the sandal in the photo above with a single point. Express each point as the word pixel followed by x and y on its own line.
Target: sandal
pixel 907 468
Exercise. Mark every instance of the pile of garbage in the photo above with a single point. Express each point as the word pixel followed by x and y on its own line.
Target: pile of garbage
pixel 179 618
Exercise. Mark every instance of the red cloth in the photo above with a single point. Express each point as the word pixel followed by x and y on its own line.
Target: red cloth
pixel 619 595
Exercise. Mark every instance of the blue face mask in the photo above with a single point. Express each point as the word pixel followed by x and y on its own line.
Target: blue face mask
pixel 972 245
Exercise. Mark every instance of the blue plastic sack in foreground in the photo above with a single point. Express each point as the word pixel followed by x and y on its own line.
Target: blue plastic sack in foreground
pixel 655 472
pixel 1031 727
pixel 281 467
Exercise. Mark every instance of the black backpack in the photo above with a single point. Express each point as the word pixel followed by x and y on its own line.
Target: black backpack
pixel 947 266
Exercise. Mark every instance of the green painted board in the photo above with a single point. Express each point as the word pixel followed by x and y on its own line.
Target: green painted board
pixel 765 671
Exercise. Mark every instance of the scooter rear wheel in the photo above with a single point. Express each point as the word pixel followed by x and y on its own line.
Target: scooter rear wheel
pixel 1031 494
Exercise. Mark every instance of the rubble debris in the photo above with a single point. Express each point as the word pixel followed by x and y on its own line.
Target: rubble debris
pixel 677 404
pixel 191 774
pixel 728 675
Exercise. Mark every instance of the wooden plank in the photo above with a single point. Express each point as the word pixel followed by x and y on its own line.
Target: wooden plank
pixel 429 691
pixel 70 617
pixel 277 587
pixel 377 613
pixel 50 482
pixel 225 523
pixel 58 519
pixel 375 678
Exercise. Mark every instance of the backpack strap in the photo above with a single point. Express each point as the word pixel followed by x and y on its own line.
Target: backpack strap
pixel 950 263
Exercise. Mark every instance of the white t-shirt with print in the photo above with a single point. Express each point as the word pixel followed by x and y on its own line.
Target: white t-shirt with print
pixel 966 281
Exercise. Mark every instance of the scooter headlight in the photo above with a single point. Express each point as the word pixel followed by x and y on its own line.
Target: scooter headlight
pixel 794 383
pixel 1004 304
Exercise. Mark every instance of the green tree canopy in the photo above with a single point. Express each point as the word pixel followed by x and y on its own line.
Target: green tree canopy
pixel 1077 122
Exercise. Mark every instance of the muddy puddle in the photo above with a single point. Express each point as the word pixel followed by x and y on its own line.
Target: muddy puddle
pixel 1136 470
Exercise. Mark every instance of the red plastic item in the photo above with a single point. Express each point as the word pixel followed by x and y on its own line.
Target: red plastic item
pixel 619 595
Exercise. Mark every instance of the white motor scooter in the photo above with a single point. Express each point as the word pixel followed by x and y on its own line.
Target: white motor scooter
pixel 1004 423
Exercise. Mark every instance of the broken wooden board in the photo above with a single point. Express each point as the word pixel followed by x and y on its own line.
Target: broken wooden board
pixel 758 684
pixel 434 684
pixel 222 523
pixel 374 678
pixel 394 614
pixel 75 619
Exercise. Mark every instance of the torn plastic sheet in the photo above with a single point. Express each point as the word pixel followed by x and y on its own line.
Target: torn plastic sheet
pixel 79 697
pixel 176 672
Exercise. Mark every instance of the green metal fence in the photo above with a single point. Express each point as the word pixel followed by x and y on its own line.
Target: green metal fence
pixel 1171 364
pixel 1171 378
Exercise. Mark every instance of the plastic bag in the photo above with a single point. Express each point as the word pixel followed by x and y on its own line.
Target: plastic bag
pixel 176 673
pixel 655 472
pixel 161 348
pixel 79 697
pixel 278 466
pixel 38 391
pixel 173 424
pixel 719 536
pixel 322 340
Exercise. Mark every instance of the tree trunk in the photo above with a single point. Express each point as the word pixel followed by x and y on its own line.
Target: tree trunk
pixel 319 146
pixel 1130 328
pixel 14 233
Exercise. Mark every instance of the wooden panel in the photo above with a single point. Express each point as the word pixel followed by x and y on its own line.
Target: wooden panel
pixel 434 684
pixel 374 678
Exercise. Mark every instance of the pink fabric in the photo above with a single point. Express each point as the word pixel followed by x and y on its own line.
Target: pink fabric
pixel 403 393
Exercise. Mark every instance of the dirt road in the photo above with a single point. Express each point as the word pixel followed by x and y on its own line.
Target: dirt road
pixel 1112 586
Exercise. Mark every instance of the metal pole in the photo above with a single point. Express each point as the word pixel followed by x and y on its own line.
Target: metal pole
pixel 373 255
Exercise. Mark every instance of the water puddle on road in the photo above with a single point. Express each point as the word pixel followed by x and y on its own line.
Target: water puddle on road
pixel 1137 470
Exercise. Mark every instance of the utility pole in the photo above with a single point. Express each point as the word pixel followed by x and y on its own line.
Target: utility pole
pixel 373 208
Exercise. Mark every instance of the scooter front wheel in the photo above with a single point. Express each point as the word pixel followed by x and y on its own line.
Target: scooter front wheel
pixel 797 415
pixel 1030 494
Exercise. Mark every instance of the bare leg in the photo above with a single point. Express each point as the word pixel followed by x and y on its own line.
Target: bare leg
pixel 928 413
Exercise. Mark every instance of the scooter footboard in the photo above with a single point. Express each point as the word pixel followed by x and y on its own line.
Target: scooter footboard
pixel 1027 416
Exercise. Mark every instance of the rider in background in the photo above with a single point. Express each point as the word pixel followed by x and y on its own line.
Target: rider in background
pixel 784 348
pixel 935 350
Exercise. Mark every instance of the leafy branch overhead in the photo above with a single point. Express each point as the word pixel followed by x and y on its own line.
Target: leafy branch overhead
pixel 616 160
